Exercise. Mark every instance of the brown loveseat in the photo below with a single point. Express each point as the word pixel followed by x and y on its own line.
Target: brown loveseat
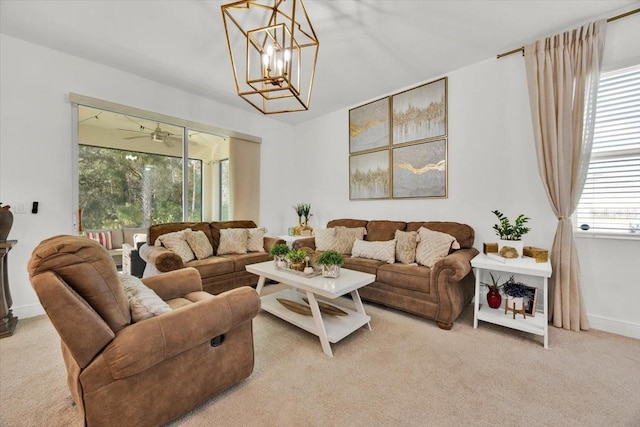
pixel 219 272
pixel 439 293
pixel 152 371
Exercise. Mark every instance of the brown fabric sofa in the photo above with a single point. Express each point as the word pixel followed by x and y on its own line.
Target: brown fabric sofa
pixel 439 293
pixel 145 373
pixel 219 273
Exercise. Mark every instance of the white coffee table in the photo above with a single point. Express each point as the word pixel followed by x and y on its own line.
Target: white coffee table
pixel 329 328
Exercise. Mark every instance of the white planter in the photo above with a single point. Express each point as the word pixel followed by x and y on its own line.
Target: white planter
pixel 516 244
pixel 332 271
pixel 519 303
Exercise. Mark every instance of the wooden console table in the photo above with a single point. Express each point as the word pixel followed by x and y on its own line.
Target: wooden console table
pixel 7 320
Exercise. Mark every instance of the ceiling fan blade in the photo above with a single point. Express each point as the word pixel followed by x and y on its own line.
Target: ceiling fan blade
pixel 132 130
pixel 136 137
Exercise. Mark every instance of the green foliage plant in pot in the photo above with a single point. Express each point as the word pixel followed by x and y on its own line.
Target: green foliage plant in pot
pixel 494 299
pixel 331 261
pixel 515 292
pixel 278 252
pixel 297 258
pixel 510 234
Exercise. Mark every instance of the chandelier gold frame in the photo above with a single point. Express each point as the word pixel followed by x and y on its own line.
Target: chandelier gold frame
pixel 274 50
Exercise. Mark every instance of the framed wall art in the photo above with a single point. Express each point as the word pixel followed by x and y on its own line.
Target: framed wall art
pixel 530 300
pixel 369 126
pixel 420 113
pixel 420 170
pixel 369 175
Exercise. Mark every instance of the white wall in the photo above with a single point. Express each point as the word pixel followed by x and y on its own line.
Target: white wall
pixel 36 159
pixel 491 165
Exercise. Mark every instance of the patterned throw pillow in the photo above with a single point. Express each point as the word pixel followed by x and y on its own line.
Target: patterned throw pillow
pixel 233 241
pixel 406 242
pixel 325 239
pixel 256 240
pixel 102 237
pixel 199 244
pixel 432 246
pixel 177 244
pixel 345 237
pixel 382 251
pixel 143 302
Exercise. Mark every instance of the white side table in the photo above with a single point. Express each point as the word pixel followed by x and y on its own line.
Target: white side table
pixel 538 272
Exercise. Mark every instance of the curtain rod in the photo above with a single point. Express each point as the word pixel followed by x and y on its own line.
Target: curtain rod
pixel 613 18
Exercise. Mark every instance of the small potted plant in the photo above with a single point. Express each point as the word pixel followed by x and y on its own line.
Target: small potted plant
pixel 515 292
pixel 331 261
pixel 510 234
pixel 494 299
pixel 297 258
pixel 278 252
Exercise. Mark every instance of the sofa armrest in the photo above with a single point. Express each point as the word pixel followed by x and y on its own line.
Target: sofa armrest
pixel 175 284
pixel 162 258
pixel 269 242
pixel 307 242
pixel 456 265
pixel 145 344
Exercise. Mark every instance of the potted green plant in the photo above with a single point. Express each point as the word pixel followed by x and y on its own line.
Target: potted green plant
pixel 331 261
pixel 297 258
pixel 494 299
pixel 278 252
pixel 515 292
pixel 510 234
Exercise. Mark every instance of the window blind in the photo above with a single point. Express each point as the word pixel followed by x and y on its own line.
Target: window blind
pixel 610 201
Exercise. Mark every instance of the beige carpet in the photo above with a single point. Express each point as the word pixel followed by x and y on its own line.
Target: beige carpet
pixel 405 372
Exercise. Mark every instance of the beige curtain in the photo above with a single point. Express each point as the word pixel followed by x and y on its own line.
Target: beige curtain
pixel 244 180
pixel 563 73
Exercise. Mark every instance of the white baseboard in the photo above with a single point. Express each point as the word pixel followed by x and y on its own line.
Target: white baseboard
pixel 25 311
pixel 615 326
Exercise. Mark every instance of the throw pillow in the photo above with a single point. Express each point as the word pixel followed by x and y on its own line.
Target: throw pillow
pixel 406 242
pixel 382 251
pixel 102 237
pixel 144 303
pixel 255 243
pixel 325 239
pixel 233 241
pixel 345 237
pixel 432 246
pixel 199 244
pixel 177 244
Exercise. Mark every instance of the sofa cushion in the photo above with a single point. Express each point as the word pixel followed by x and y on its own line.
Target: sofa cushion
pixel 157 230
pixel 102 237
pixel 177 244
pixel 255 242
pixel 463 233
pixel 216 226
pixel 365 265
pixel 345 237
pixel 212 266
pixel 233 241
pixel 383 230
pixel 432 246
pixel 405 276
pixel 325 239
pixel 382 251
pixel 199 244
pixel 345 222
pixel 144 303
pixel 406 242
pixel 240 261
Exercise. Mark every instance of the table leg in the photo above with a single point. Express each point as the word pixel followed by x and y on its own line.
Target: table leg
pixel 260 285
pixel 317 320
pixel 476 299
pixel 355 296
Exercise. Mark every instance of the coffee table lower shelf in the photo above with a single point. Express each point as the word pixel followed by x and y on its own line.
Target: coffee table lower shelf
pixel 336 327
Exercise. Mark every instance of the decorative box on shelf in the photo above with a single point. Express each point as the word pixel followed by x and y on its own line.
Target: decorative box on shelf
pixel 540 255
pixel 489 248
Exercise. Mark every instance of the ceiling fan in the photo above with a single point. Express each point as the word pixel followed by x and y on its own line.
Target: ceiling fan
pixel 156 135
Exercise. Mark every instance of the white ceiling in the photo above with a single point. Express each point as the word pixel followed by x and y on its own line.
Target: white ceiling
pixel 368 48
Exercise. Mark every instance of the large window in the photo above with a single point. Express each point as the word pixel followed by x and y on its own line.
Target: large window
pixel 610 201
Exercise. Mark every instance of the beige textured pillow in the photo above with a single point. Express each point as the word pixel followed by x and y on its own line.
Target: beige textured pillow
pixel 144 303
pixel 406 242
pixel 233 241
pixel 382 251
pixel 255 243
pixel 199 244
pixel 432 246
pixel 345 237
pixel 176 243
pixel 325 239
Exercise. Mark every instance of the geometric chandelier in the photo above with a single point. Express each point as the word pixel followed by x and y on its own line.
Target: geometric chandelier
pixel 273 50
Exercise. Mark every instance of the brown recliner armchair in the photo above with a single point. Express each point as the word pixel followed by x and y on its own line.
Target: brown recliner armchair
pixel 152 371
